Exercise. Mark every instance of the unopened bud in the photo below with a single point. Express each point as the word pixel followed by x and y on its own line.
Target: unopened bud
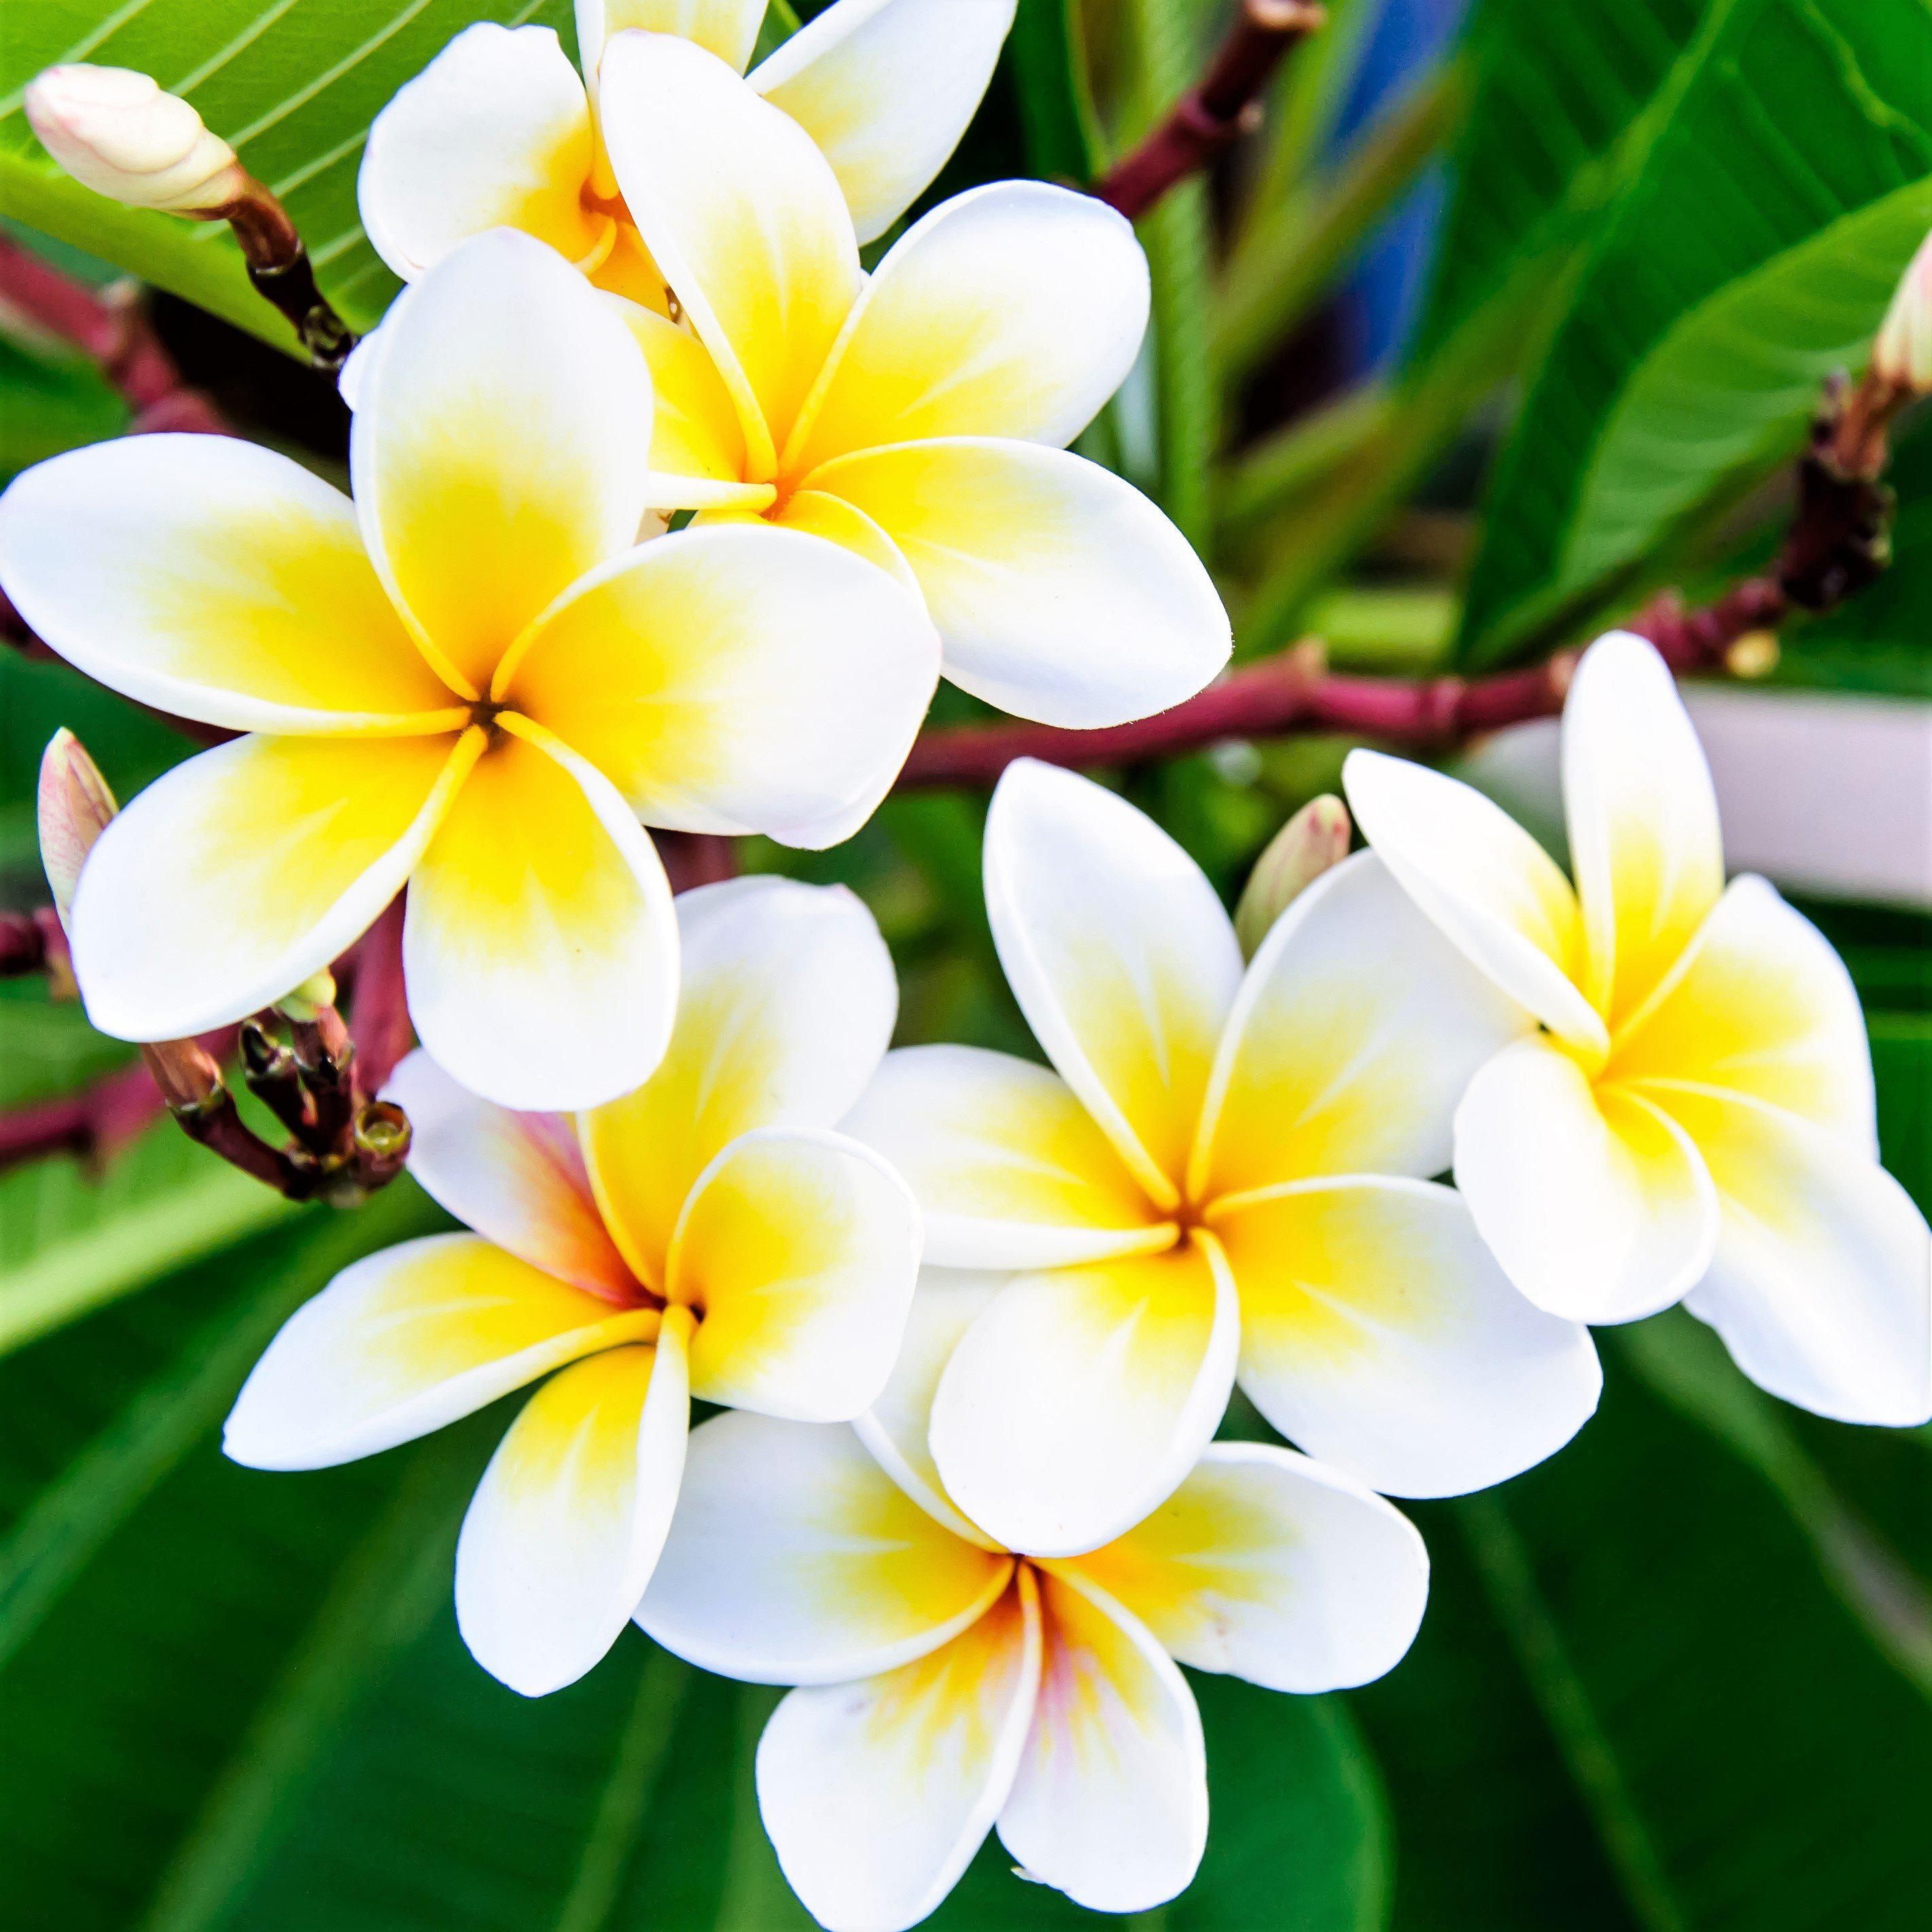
pixel 74 805
pixel 116 132
pixel 305 1004
pixel 1902 353
pixel 1313 840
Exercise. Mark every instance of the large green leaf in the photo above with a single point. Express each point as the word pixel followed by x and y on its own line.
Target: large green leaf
pixel 1751 250
pixel 1556 89
pixel 293 83
pixel 1720 1745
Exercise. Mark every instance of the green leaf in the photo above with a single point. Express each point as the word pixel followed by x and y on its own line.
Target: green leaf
pixel 293 83
pixel 1749 1756
pixel 1751 250
pixel 50 399
pixel 1048 65
pixel 1555 90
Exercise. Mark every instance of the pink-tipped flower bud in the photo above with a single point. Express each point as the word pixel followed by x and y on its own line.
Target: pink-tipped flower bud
pixel 74 805
pixel 1313 840
pixel 1902 351
pixel 116 132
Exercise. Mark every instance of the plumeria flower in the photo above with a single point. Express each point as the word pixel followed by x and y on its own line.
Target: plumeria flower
pixel 952 1683
pixel 915 417
pixel 1695 1119
pixel 499 131
pixel 471 679
pixel 1225 1176
pixel 705 1236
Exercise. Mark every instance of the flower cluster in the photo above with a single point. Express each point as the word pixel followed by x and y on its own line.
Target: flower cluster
pixel 974 1321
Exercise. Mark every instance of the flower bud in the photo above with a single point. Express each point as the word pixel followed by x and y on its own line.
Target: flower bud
pixel 1902 353
pixel 74 805
pixel 116 132
pixel 306 1003
pixel 1313 840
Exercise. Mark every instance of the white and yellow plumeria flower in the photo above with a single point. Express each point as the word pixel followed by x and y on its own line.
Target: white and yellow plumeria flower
pixel 1226 1176
pixel 953 1684
pixel 706 1236
pixel 1695 1121
pixel 917 417
pixel 499 131
pixel 472 679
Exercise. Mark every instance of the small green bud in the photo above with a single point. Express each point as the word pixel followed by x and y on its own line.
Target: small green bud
pixel 1314 839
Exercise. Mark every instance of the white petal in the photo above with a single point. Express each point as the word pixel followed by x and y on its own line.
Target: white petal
pixel 213 580
pixel 1492 889
pixel 1759 1004
pixel 886 88
pixel 801 1249
pixel 494 132
pixel 501 447
pixel 1078 1398
pixel 1822 1282
pixel 743 215
pixel 785 1004
pixel 1644 842
pixel 793 1558
pixel 1265 1565
pixel 517 1178
pixel 735 679
pixel 1061 593
pixel 898 1427
pixel 1015 310
pixel 407 1340
pixel 1377 1332
pixel 1355 1031
pixel 878 1794
pixel 1110 1802
pixel 567 1522
pixel 539 944
pixel 229 880
pixel 728 29
pixel 1009 1168
pixel 1597 1205
pixel 1119 954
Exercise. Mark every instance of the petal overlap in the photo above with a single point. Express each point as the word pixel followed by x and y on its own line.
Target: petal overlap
pixel 409 1340
pixel 794 1558
pixel 1078 1398
pixel 1060 592
pixel 499 449
pixel 786 1002
pixel 1267 1566
pixel 286 847
pixel 1377 1332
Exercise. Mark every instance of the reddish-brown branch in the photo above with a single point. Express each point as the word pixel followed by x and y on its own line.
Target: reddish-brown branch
pixel 697 859
pixel 114 332
pixel 93 1124
pixel 1217 111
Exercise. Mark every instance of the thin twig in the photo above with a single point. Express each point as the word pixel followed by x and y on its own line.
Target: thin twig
pixel 280 269
pixel 1217 111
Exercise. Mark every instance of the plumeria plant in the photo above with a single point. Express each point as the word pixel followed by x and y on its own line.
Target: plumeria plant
pixel 898 937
